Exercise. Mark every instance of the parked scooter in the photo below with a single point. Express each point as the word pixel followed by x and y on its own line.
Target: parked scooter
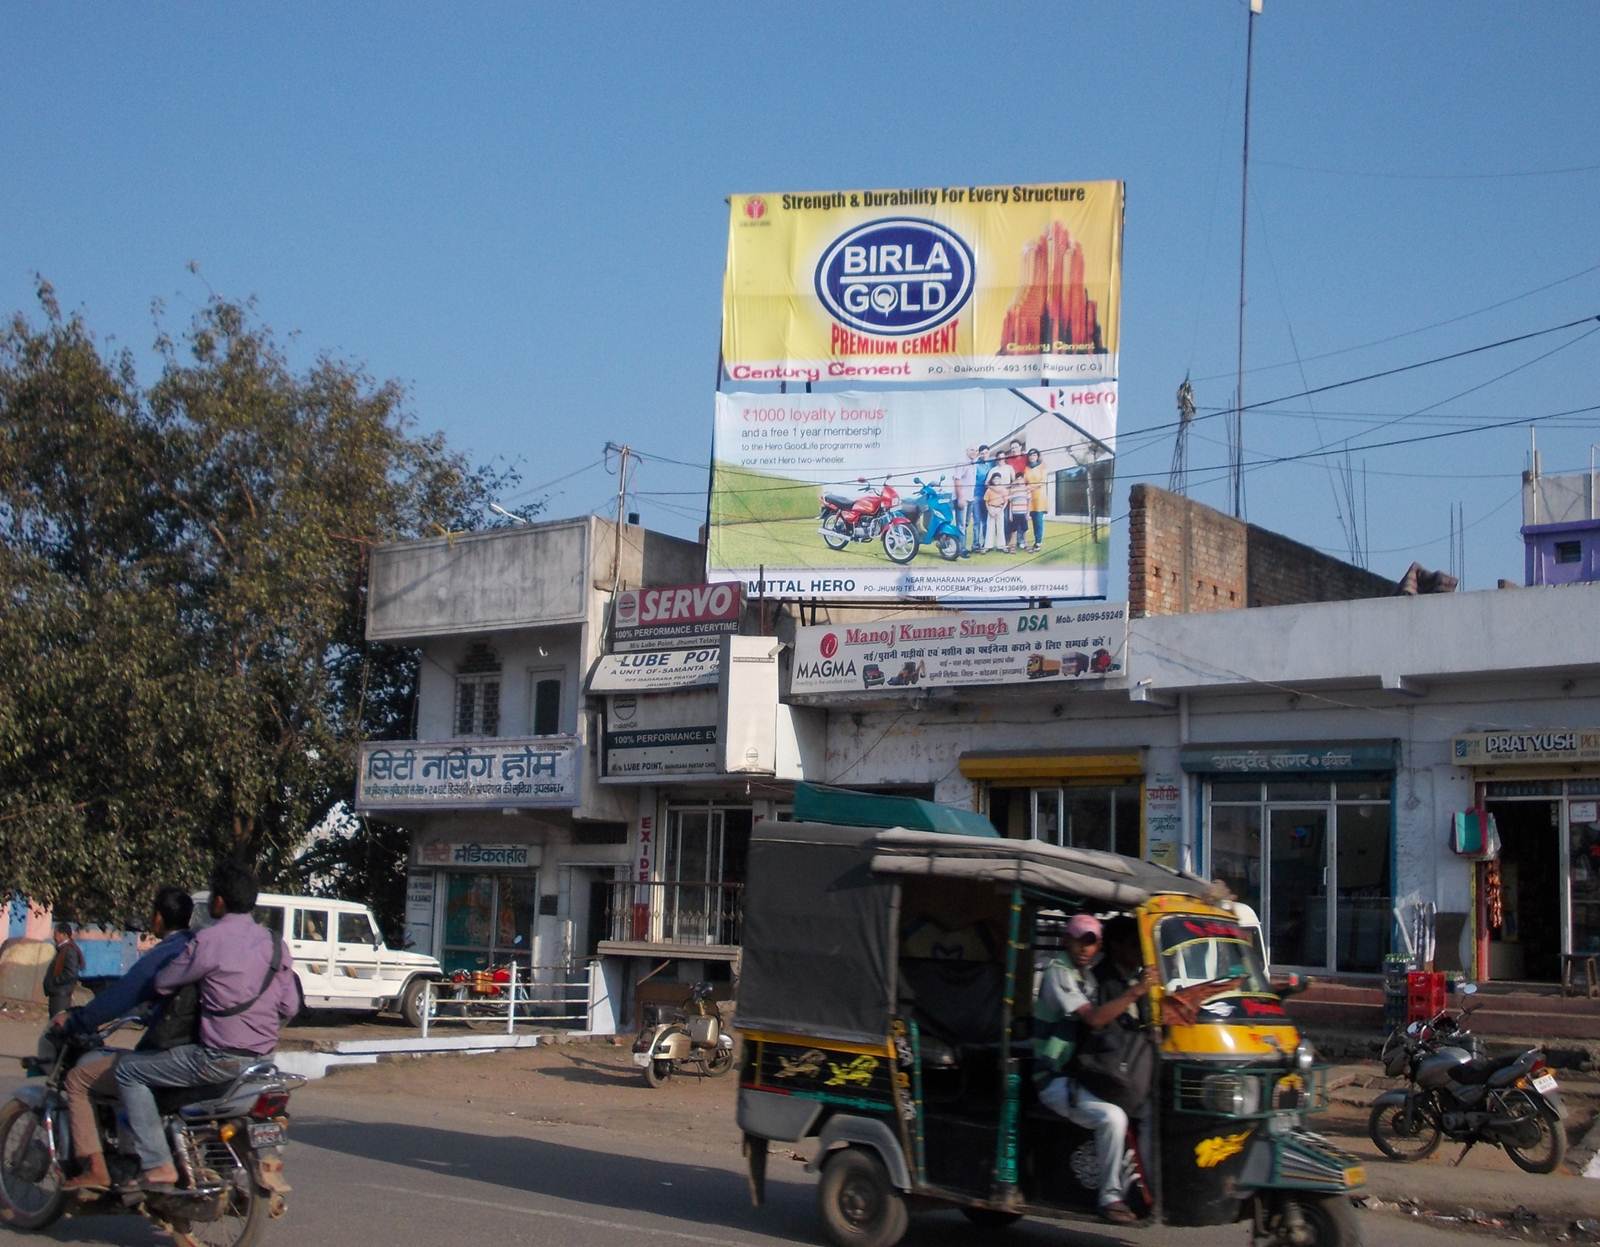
pixel 693 1039
pixel 843 518
pixel 227 1142
pixel 1512 1101
pixel 927 518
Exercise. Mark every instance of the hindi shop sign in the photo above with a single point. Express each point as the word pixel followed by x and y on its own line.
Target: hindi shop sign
pixel 523 772
pixel 1523 748
pixel 482 856
pixel 1048 646
pixel 675 616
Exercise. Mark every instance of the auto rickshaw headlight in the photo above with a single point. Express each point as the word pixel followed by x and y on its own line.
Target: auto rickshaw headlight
pixel 1234 1094
pixel 1305 1056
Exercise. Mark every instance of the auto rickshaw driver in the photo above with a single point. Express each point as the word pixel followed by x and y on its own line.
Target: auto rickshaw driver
pixel 1071 1002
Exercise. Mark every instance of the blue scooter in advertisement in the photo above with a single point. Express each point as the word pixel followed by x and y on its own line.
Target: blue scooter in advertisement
pixel 928 517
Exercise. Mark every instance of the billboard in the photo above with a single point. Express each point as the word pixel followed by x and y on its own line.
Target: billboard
pixel 660 735
pixel 799 506
pixel 1052 647
pixel 675 616
pixel 1018 283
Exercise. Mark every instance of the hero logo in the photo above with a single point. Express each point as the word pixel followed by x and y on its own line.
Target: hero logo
pixel 896 276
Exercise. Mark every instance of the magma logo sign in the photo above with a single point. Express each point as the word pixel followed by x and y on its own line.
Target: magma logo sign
pixel 895 276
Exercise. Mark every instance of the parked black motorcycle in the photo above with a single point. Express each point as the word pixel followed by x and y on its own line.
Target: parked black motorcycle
pixel 1454 1093
pixel 227 1142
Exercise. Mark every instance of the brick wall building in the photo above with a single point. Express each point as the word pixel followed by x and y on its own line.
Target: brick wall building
pixel 1187 558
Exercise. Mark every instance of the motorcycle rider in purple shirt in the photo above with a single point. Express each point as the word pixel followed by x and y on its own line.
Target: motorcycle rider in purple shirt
pixel 246 989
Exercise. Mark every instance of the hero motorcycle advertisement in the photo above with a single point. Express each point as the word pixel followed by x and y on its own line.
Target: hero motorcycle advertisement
pixel 951 494
pixel 925 284
pixel 1039 647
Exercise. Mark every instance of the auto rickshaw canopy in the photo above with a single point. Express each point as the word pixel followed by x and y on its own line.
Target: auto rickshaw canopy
pixel 821 917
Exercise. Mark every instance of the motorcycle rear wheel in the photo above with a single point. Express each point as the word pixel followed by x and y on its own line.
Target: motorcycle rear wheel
pixel 656 1073
pixel 1546 1155
pixel 26 1205
pixel 241 1226
pixel 1387 1128
pixel 838 535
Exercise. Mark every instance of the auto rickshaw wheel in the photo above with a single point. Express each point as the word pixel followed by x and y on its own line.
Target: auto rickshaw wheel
pixel 991 1218
pixel 860 1206
pixel 1330 1221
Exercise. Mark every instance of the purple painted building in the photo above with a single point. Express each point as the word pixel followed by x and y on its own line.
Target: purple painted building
pixel 1560 527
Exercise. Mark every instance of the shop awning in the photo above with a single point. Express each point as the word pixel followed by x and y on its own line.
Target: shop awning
pixel 1029 766
pixel 817 803
pixel 654 671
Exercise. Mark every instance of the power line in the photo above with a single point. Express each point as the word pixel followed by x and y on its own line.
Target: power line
pixel 1491 176
pixel 1411 333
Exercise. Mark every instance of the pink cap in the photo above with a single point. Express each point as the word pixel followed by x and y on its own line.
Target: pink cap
pixel 1083 924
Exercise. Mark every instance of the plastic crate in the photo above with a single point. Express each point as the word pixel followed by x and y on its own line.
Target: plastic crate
pixel 1424 994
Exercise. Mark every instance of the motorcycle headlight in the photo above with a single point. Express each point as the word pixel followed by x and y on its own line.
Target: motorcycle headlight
pixel 1305 1056
pixel 1233 1094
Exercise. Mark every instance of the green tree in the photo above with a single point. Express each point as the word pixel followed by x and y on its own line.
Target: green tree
pixel 182 598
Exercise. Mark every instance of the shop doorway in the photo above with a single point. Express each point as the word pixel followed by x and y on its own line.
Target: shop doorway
pixel 489 920
pixel 1527 944
pixel 1312 858
pixel 702 873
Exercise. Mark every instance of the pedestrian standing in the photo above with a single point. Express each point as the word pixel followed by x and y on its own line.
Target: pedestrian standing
pixel 981 465
pixel 1017 495
pixel 1038 480
pixel 996 498
pixel 64 971
pixel 963 493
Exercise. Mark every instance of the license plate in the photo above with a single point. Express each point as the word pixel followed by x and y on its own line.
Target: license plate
pixel 641 1058
pixel 266 1134
pixel 1544 1084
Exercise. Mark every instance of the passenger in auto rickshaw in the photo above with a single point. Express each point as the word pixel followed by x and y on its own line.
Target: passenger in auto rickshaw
pixel 1078 997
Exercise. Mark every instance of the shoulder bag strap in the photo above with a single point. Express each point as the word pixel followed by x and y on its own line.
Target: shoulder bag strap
pixel 272 972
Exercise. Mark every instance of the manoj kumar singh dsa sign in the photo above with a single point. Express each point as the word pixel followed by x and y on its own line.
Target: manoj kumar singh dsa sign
pixel 1019 283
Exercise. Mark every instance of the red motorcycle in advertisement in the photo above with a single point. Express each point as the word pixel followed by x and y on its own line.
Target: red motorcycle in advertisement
pixel 863 517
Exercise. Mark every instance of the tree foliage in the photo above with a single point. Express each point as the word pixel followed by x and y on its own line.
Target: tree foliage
pixel 182 598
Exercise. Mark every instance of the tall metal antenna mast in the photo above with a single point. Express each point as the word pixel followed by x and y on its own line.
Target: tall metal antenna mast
pixel 1236 466
pixel 1178 477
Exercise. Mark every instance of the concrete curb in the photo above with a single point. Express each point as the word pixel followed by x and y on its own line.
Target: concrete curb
pixel 319 1061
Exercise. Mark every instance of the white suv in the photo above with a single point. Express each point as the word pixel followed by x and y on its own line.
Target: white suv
pixel 339 957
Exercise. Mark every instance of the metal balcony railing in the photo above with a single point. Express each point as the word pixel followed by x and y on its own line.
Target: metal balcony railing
pixel 675 913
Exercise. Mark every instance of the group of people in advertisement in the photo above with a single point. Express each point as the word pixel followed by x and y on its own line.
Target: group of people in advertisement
pixel 999 495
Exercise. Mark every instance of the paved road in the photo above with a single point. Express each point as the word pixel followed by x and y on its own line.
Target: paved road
pixel 434 1174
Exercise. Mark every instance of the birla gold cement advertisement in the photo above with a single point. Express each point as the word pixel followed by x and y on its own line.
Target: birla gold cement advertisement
pixel 1014 283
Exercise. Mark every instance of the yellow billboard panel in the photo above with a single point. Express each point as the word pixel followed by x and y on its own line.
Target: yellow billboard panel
pixel 1013 283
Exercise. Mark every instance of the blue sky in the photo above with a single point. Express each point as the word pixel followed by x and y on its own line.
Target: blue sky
pixel 518 210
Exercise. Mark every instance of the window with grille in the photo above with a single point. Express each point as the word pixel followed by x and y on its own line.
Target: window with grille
pixel 478 705
pixel 1569 552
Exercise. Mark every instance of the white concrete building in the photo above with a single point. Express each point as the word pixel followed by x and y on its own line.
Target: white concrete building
pixel 516 843
pixel 1313 756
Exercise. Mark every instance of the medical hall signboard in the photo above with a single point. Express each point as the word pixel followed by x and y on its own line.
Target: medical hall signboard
pixel 925 284
pixel 1046 647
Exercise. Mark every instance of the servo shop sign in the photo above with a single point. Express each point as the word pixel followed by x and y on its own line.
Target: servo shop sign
pixel 1044 647
pixel 675 616
pixel 1553 745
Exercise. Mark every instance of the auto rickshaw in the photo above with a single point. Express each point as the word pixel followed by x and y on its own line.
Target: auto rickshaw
pixel 885 1005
